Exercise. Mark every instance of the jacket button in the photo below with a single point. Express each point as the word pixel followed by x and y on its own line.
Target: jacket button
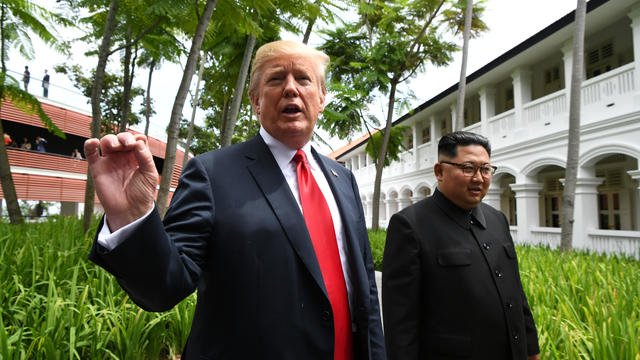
pixel 486 246
pixel 498 273
pixel 509 305
pixel 516 338
pixel 326 315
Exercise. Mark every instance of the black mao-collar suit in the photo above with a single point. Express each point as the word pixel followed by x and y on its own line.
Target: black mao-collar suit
pixel 235 232
pixel 451 287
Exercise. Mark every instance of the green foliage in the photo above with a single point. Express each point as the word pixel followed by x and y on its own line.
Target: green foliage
pixel 585 305
pixel 396 141
pixel 111 98
pixel 56 304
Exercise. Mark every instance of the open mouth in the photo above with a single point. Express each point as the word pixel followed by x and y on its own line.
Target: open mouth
pixel 291 109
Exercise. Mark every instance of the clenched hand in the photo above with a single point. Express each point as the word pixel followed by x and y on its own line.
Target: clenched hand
pixel 125 176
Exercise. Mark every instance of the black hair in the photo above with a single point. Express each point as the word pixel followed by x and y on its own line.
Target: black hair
pixel 448 144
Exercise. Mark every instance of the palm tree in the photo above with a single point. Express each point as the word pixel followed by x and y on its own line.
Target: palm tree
pixel 178 105
pixel 96 113
pixel 573 146
pixel 462 86
pixel 18 20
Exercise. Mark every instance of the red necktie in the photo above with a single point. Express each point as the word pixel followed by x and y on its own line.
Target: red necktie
pixel 323 236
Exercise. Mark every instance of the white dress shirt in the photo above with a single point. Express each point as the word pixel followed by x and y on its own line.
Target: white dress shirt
pixel 284 157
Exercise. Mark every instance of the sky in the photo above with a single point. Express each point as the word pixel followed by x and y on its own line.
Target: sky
pixel 510 22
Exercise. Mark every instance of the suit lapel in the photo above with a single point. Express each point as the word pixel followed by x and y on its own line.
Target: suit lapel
pixel 269 178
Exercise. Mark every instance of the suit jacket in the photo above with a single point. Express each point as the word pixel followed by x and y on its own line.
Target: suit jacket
pixel 235 232
pixel 451 287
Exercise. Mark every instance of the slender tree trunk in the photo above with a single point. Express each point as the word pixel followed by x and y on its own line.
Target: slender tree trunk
pixel 147 100
pixel 126 89
pixel 375 221
pixel 196 99
pixel 229 126
pixel 178 105
pixel 96 91
pixel 462 86
pixel 8 187
pixel 573 146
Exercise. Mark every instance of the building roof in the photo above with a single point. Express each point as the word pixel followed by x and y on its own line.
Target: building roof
pixel 518 49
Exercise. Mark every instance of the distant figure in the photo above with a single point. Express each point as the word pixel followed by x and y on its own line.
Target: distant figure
pixel 38 210
pixel 76 154
pixel 40 142
pixel 45 84
pixel 7 139
pixel 26 76
pixel 26 144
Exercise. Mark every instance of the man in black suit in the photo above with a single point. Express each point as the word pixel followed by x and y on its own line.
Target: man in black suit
pixel 240 230
pixel 450 282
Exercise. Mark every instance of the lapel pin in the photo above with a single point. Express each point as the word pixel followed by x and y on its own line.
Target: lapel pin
pixel 334 173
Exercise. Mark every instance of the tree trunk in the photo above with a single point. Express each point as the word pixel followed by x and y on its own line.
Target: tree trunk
pixel 230 124
pixel 196 99
pixel 462 85
pixel 96 91
pixel 147 100
pixel 126 88
pixel 573 145
pixel 375 221
pixel 8 187
pixel 178 105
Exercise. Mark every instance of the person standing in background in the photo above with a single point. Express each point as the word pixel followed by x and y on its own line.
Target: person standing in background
pixel 45 84
pixel 451 288
pixel 40 141
pixel 26 76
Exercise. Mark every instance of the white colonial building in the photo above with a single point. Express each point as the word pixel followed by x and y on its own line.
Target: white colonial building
pixel 520 102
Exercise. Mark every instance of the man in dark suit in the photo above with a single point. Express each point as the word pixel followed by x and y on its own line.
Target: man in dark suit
pixel 276 277
pixel 450 282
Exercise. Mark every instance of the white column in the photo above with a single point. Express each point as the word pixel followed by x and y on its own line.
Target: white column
pixel 521 92
pixel 435 136
pixel 452 109
pixel 585 210
pixel 487 107
pixel 403 203
pixel 567 59
pixel 390 203
pixel 527 208
pixel 493 196
pixel 635 175
pixel 634 14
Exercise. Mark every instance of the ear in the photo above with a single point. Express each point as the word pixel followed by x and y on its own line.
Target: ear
pixel 322 95
pixel 438 171
pixel 256 103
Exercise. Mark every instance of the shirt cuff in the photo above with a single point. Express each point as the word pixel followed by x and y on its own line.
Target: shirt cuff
pixel 109 240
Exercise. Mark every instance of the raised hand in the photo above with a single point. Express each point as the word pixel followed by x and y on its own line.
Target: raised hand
pixel 125 176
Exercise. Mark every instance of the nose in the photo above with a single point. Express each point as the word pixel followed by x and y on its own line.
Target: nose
pixel 290 89
pixel 477 176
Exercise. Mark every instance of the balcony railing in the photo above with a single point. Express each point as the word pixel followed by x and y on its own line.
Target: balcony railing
pixel 502 124
pixel 609 85
pixel 615 242
pixel 546 109
pixel 45 161
pixel 545 236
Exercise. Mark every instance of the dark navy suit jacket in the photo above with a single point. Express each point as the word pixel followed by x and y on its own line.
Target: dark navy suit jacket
pixel 235 232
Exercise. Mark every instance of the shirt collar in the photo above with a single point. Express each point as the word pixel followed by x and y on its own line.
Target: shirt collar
pixel 461 216
pixel 284 154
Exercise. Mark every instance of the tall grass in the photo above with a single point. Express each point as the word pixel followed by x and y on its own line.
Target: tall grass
pixel 586 306
pixel 55 304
